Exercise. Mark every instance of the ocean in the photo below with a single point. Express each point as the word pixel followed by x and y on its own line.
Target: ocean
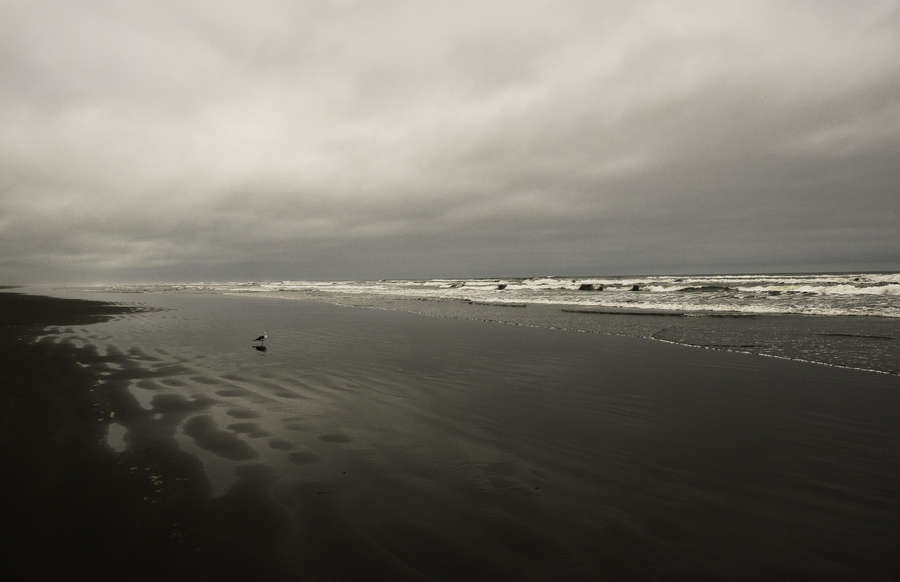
pixel 839 319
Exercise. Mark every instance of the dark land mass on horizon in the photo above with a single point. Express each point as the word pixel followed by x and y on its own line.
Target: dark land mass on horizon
pixel 669 464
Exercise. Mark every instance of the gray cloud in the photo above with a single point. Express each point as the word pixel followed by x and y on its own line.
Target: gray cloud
pixel 377 139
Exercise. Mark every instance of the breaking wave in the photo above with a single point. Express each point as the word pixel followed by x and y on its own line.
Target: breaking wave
pixel 704 288
pixel 855 294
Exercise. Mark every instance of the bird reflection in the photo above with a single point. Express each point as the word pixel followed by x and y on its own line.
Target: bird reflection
pixel 259 348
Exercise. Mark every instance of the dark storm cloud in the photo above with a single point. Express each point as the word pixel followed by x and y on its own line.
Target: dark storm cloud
pixel 343 139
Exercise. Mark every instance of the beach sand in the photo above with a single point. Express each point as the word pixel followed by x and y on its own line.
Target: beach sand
pixel 73 509
pixel 439 450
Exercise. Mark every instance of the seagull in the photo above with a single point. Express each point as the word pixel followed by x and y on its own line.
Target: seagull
pixel 263 337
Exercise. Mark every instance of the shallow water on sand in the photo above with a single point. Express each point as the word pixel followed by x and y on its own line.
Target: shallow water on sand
pixel 423 446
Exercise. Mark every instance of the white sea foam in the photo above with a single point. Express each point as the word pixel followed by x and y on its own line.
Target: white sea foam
pixel 870 294
pixel 837 289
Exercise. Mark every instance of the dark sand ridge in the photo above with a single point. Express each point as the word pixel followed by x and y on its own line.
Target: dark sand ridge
pixel 639 461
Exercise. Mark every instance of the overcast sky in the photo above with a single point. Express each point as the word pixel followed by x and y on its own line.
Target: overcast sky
pixel 228 140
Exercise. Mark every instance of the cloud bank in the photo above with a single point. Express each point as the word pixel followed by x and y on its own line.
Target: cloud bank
pixel 289 140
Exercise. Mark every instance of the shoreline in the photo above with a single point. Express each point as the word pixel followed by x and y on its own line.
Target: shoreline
pixel 773 356
pixel 447 309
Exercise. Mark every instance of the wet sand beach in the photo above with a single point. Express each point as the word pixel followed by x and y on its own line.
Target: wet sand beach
pixel 368 444
pixel 71 507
